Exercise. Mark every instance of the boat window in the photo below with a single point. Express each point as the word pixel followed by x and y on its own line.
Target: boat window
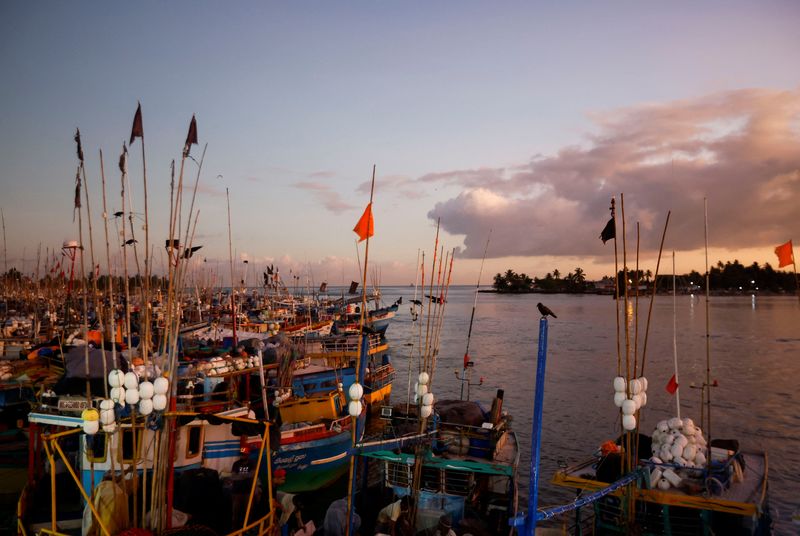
pixel 127 446
pixel 194 443
pixel 457 482
pixel 96 448
pixel 431 479
pixel 398 474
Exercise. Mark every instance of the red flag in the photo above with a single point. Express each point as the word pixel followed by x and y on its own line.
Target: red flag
pixel 466 360
pixel 785 254
pixel 672 386
pixel 366 225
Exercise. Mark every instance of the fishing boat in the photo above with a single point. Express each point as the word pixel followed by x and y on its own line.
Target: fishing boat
pixel 468 471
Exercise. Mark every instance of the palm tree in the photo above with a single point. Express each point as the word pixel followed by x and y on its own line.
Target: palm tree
pixel 579 276
pixel 556 273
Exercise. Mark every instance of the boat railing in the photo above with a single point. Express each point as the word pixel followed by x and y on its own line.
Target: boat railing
pixel 434 479
pixel 262 526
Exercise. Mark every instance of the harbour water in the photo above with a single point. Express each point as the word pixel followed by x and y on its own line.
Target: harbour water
pixel 755 347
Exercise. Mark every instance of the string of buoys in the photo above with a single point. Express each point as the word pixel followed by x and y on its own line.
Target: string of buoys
pixel 636 388
pixel 424 396
pixel 126 390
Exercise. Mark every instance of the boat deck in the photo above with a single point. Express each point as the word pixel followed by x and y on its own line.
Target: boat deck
pixel 744 497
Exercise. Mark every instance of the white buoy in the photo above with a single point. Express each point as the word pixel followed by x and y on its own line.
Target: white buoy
pixel 426 411
pixel 663 427
pixel 675 423
pixel 159 402
pixel 700 459
pixel 354 408
pixel 117 394
pixel 619 398
pixel 665 454
pixel 424 378
pixel 131 380
pixel 91 421
pixel 643 394
pixel 619 384
pixel 427 399
pixel 422 389
pixel 635 387
pixel 663 484
pixel 676 450
pixel 628 407
pixel 116 378
pixel 146 390
pixel 655 476
pixel 637 399
pixel 673 477
pixel 161 386
pixel 355 391
pixel 643 381
pixel 145 406
pixel 110 428
pixel 132 396
pixel 628 422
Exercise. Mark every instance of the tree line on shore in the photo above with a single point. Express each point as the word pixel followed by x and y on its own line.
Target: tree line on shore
pixel 723 277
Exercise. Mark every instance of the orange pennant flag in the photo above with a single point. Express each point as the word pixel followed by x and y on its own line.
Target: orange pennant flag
pixel 785 254
pixel 366 225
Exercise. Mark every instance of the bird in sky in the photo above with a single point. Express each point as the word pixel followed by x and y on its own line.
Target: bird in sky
pixel 545 310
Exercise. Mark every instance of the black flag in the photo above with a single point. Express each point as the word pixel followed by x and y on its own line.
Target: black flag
pixel 323 287
pixel 191 137
pixel 78 141
pixel 187 253
pixel 123 159
pixel 77 192
pixel 353 287
pixel 137 131
pixel 609 231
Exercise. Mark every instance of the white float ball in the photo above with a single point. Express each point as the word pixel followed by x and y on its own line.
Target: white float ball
pixel 688 422
pixel 675 423
pixel 628 422
pixel 700 459
pixel 655 476
pixel 427 399
pixel 663 484
pixel 682 441
pixel 644 383
pixel 676 450
pixel 354 408
pixel 355 391
pixel 117 394
pixel 663 427
pixel 635 387
pixel 159 402
pixel 668 440
pixel 146 390
pixel 619 398
pixel 161 386
pixel 619 384
pixel 426 411
pixel 656 459
pixel 116 378
pixel 689 429
pixel 422 389
pixel 424 378
pixel 91 427
pixel 131 380
pixel 110 428
pixel 679 460
pixel 145 406
pixel 637 399
pixel 132 396
pixel 644 398
pixel 665 454
pixel 106 403
pixel 628 407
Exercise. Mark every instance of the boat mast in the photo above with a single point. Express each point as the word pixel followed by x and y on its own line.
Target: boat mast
pixel 675 339
pixel 467 362
pixel 708 332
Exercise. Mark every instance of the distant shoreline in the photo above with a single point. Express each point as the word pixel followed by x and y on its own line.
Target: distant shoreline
pixel 644 293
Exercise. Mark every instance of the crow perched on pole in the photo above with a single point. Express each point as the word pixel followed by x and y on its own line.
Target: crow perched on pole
pixel 545 310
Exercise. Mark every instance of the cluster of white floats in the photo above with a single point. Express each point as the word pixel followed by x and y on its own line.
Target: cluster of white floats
pixel 678 442
pixel 423 395
pixel 126 389
pixel 637 388
pixel 217 366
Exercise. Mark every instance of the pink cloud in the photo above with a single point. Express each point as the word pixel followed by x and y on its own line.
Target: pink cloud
pixel 737 148
pixel 329 198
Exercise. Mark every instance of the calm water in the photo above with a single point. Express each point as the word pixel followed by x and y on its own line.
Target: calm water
pixel 755 346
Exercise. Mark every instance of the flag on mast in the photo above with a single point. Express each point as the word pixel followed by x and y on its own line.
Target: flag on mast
pixel 191 137
pixel 78 141
pixel 365 226
pixel 137 130
pixel 672 385
pixel 785 254
pixel 609 231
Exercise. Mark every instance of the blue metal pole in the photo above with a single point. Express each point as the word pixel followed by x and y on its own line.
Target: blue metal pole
pixel 359 426
pixel 536 434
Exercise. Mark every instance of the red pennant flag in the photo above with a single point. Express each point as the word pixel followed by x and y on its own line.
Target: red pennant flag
pixel 365 226
pixel 785 254
pixel 466 360
pixel 672 386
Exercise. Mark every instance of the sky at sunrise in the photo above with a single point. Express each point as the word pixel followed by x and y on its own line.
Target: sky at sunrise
pixel 523 118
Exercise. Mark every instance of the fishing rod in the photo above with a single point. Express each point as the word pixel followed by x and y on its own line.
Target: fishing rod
pixel 467 363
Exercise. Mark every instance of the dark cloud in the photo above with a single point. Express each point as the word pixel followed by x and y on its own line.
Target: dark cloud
pixel 329 198
pixel 739 149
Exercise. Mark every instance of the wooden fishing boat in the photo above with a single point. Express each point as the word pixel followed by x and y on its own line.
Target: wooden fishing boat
pixel 469 472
